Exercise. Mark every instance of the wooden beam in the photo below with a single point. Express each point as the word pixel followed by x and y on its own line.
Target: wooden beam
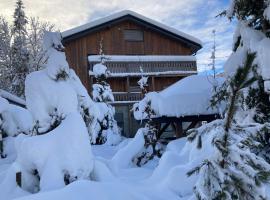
pixel 161 131
pixel 192 125
pixel 189 118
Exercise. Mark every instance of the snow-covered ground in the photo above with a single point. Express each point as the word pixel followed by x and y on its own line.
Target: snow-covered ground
pixel 114 176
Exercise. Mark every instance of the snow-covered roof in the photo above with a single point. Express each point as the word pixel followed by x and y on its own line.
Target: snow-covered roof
pixel 123 13
pixel 189 96
pixel 137 58
pixel 12 98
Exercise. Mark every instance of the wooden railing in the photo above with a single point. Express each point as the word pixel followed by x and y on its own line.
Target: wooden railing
pixel 134 67
pixel 127 96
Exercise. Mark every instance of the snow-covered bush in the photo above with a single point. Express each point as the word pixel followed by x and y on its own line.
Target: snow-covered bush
pixel 56 158
pixel 14 119
pixel 57 100
pixel 104 127
pixel 50 93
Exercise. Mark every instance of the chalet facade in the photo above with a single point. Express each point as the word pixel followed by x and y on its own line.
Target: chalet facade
pixel 131 41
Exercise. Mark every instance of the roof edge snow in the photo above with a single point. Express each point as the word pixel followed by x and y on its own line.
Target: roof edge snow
pixel 100 21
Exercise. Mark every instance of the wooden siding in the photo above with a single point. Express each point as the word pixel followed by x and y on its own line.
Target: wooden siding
pixel 114 44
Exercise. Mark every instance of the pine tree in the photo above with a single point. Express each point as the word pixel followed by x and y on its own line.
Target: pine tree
pixel 240 167
pixel 152 147
pixel 234 172
pixel 104 129
pixel 5 55
pixel 20 54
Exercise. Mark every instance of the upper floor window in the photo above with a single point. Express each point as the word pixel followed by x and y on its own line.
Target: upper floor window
pixel 133 35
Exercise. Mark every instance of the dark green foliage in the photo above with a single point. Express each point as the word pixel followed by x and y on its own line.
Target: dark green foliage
pixel 257 99
pixel 252 12
pixel 259 143
pixel 62 75
pixel 237 43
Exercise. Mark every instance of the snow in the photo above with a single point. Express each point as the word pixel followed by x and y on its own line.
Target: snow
pixel 48 97
pixel 116 178
pixel 236 60
pixel 189 96
pixel 11 97
pixel 100 70
pixel 14 119
pixel 266 12
pixel 177 72
pixel 42 101
pixel 101 92
pixel 141 58
pixel 143 82
pixel 264 62
pixel 253 41
pixel 68 153
pixel 117 15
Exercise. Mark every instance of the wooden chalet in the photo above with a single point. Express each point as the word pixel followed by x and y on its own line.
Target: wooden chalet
pixel 131 41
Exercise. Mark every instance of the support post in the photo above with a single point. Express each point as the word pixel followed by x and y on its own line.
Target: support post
pixel 153 84
pixel 178 129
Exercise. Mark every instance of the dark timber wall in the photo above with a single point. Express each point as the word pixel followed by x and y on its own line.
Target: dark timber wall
pixel 154 43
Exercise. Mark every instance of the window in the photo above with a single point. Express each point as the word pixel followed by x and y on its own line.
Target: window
pixel 133 35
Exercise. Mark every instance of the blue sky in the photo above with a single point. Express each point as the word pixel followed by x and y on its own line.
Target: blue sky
pixel 195 17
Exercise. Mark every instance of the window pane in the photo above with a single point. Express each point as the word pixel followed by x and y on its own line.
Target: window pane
pixel 133 35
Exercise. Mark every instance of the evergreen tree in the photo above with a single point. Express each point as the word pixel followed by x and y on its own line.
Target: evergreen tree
pixel 20 54
pixel 152 148
pixel 103 129
pixel 5 55
pixel 240 167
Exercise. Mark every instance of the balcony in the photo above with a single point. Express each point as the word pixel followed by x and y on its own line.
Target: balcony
pixel 151 65
pixel 125 97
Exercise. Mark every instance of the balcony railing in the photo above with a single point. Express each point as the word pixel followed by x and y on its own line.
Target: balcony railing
pixel 127 96
pixel 149 67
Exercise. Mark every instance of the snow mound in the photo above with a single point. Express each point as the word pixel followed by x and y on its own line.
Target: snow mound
pixel 14 119
pixel 189 96
pixel 62 153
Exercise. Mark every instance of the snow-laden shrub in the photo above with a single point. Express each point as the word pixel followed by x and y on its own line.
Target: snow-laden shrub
pixel 14 119
pixel 103 128
pixel 56 158
pixel 57 101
